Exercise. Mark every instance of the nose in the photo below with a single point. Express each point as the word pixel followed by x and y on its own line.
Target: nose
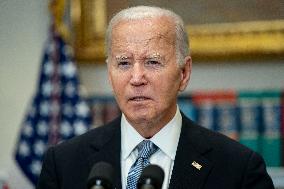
pixel 138 75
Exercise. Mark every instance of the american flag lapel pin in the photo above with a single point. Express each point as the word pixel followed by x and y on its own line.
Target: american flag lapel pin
pixel 196 165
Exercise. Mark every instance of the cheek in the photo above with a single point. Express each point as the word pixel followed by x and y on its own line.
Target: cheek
pixel 118 84
pixel 118 87
pixel 167 87
pixel 116 78
pixel 170 80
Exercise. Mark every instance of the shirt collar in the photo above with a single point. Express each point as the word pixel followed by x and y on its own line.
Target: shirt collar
pixel 130 138
pixel 166 139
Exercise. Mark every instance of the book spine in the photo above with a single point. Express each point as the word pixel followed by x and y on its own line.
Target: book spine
pixel 186 106
pixel 282 128
pixel 226 119
pixel 250 119
pixel 270 137
pixel 205 115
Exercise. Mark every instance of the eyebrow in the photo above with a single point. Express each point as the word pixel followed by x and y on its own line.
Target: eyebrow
pixel 121 57
pixel 156 56
pixel 151 56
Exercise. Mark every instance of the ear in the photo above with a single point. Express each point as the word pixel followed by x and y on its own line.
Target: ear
pixel 185 73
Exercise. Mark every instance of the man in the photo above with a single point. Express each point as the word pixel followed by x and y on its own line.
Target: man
pixel 148 65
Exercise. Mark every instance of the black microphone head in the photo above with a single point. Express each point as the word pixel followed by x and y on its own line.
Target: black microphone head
pixel 152 175
pixel 101 174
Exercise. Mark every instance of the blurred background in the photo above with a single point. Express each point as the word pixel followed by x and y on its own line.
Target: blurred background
pixel 49 94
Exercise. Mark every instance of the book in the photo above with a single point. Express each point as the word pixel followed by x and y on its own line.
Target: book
pixel 204 107
pixel 270 135
pixel 186 106
pixel 282 128
pixel 249 105
pixel 226 119
pixel 216 110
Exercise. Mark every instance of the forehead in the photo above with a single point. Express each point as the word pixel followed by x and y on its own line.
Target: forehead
pixel 148 32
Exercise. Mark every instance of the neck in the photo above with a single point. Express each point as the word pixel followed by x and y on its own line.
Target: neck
pixel 148 128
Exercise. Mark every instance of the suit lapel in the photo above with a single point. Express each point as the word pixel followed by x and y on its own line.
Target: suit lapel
pixel 108 150
pixel 186 173
pixel 191 168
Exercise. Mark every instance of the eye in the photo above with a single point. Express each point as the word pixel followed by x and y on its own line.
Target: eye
pixel 153 62
pixel 123 64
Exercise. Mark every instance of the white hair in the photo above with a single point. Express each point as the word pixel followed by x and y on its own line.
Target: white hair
pixel 142 12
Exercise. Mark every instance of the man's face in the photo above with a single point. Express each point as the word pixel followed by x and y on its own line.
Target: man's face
pixel 143 71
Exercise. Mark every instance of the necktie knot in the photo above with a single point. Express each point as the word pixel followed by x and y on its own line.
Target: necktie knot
pixel 146 148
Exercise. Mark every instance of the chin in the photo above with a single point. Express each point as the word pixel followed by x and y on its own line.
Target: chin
pixel 139 117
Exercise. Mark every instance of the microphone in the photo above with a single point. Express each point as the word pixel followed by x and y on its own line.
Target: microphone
pixel 101 176
pixel 152 177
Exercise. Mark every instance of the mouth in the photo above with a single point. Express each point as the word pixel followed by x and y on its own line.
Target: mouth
pixel 139 98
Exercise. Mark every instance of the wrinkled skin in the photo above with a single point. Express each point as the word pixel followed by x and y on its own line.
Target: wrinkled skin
pixel 144 73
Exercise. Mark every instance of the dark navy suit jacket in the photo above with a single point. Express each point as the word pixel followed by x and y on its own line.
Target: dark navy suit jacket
pixel 226 164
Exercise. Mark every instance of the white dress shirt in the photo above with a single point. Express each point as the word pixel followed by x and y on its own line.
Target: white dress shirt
pixel 166 139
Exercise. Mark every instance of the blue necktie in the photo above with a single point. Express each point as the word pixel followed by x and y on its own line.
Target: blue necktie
pixel 145 149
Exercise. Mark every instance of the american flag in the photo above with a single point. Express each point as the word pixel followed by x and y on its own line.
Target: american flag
pixel 56 113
